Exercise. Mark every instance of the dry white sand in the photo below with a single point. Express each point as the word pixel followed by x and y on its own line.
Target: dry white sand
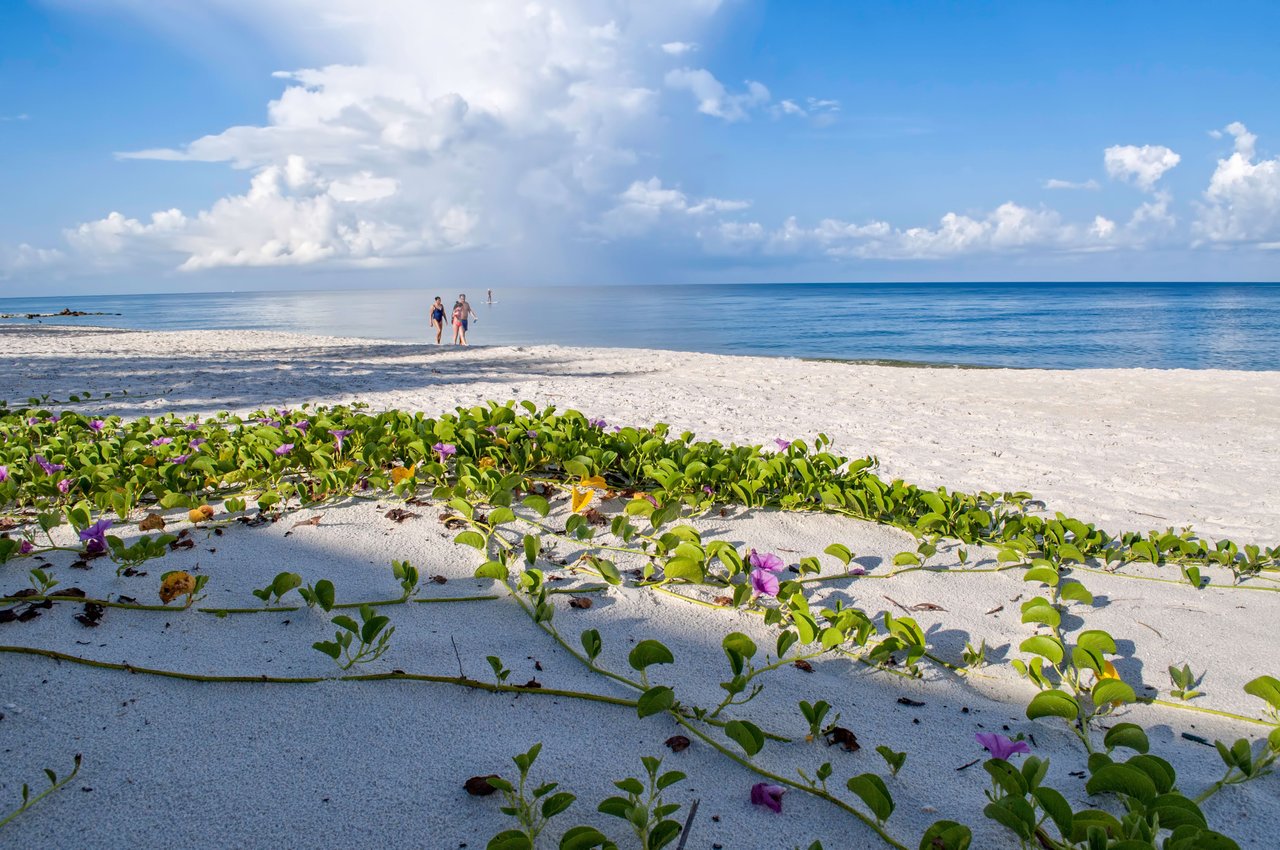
pixel 171 763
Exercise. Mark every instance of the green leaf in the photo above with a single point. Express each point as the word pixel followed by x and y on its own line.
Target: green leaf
pixel 1053 703
pixel 1159 771
pixel 532 547
pixel 655 701
pixel 1109 691
pixel 557 803
pixel 1045 645
pixel 903 559
pixel 684 568
pixel 946 835
pixel 324 594
pixel 1074 591
pixel 1056 807
pixel 1006 776
pixel 1044 575
pixel 608 570
pixel 1175 810
pixel 501 516
pixel 493 570
pixel 1128 735
pixel 648 652
pixel 739 643
pixel 1121 779
pixel 510 839
pixel 1265 688
pixel 1039 610
pixel 591 643
pixel 474 539
pixel 747 734
pixel 586 838
pixel 840 552
pixel 1014 814
pixel 537 504
pixel 1096 640
pixel 871 790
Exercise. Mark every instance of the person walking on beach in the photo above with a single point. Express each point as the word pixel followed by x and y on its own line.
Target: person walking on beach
pixel 462 313
pixel 437 318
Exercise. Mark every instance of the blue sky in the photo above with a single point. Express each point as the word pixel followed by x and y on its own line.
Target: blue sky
pixel 327 143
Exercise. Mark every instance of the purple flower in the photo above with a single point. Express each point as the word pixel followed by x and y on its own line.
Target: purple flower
pixel 617 429
pixel 180 459
pixel 339 436
pixel 769 796
pixel 191 426
pixel 999 746
pixel 34 420
pixel 284 449
pixel 492 429
pixel 856 571
pixel 49 468
pixel 782 445
pixel 198 442
pixel 444 450
pixel 4 474
pixel 764 582
pixel 55 418
pixel 532 435
pixel 274 423
pixel 64 486
pixel 706 488
pixel 766 561
pixel 162 441
pixel 96 425
pixel 597 423
pixel 26 547
pixel 286 412
pixel 302 424
pixel 95 537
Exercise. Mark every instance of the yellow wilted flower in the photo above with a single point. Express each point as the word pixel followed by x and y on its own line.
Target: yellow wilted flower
pixel 1109 671
pixel 487 463
pixel 200 514
pixel 400 473
pixel 595 482
pixel 148 461
pixel 580 499
pixel 176 584
pixel 500 441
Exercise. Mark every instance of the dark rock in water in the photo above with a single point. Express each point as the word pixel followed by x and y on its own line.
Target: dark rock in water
pixel 66 311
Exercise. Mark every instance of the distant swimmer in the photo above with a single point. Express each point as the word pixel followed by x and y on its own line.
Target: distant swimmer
pixel 490 301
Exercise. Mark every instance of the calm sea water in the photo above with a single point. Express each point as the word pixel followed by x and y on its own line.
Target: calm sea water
pixel 1059 325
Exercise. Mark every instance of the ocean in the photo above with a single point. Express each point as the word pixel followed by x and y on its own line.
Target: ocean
pixel 1041 325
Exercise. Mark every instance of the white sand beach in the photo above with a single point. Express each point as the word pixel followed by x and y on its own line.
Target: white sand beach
pixel 170 763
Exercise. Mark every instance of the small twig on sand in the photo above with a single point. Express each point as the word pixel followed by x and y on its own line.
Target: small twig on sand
pixel 1153 628
pixel 684 833
pixel 458 656
pixel 899 604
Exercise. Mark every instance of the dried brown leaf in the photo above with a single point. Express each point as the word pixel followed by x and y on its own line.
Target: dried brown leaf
pixel 151 522
pixel 677 743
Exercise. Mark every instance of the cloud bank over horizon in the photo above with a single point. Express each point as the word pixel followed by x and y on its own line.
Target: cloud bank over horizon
pixel 532 130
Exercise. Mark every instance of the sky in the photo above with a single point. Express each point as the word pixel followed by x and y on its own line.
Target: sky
pixel 188 145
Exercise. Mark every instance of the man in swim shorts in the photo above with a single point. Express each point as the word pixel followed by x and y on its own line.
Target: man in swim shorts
pixel 437 318
pixel 462 313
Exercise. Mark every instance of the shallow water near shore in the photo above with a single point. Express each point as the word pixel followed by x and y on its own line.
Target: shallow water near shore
pixel 1042 325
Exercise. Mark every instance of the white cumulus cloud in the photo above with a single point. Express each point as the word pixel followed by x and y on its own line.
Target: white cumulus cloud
pixel 712 96
pixel 1054 183
pixel 1242 203
pixel 1142 166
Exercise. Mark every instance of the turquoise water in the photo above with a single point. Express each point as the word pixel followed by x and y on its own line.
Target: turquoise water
pixel 1058 325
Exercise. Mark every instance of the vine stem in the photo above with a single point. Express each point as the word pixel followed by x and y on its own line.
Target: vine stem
pixel 782 780
pixel 28 803
pixel 134 606
pixel 460 681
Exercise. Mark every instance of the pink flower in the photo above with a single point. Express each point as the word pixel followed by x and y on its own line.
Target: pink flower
pixel 340 435
pixel 49 468
pixel 96 425
pixel 764 582
pixel 162 441
pixel 26 547
pixel 999 746
pixel 445 450
pixel 284 449
pixel 4 474
pixel 64 486
pixel 782 445
pixel 769 796
pixel 766 561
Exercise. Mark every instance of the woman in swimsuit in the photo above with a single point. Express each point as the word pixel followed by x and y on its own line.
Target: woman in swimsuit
pixel 437 318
